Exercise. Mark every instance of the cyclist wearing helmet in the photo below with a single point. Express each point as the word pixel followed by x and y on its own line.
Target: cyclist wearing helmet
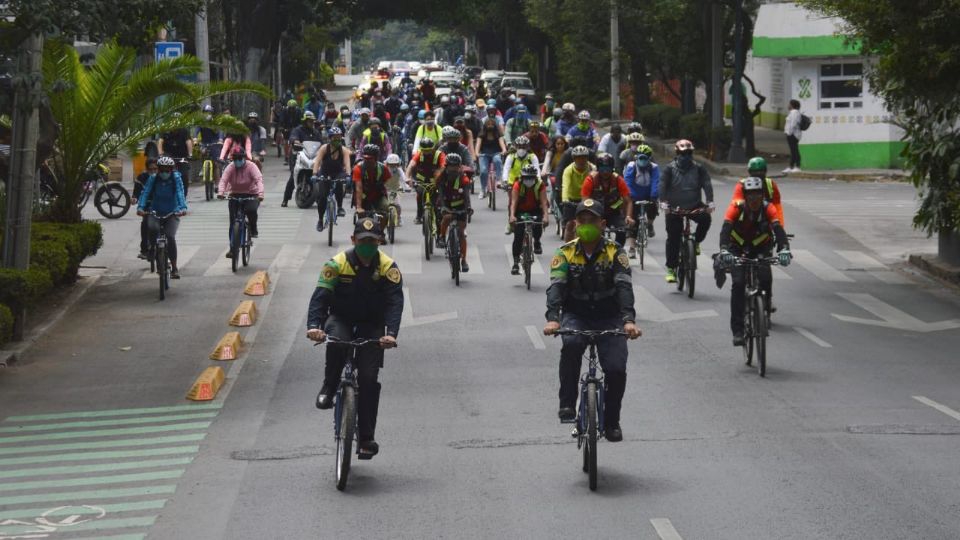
pixel 551 124
pixel 518 160
pixel 634 127
pixel 206 136
pixel 428 130
pixel 584 129
pixel 163 194
pixel 529 197
pixel 610 190
pixel 376 136
pixel 452 145
pixel 242 179
pixel 681 183
pixel 539 142
pixel 471 120
pixel 397 182
pixel 453 191
pixel 757 167
pixel 518 124
pixel 425 166
pixel 355 134
pixel 571 188
pixel 634 140
pixel 332 161
pixel 568 119
pixel 302 133
pixel 292 116
pixel 643 178
pixel 370 178
pixel 258 137
pixel 750 229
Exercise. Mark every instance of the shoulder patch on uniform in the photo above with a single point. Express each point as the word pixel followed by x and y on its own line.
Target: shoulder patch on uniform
pixel 556 262
pixel 393 275
pixel 329 272
pixel 623 260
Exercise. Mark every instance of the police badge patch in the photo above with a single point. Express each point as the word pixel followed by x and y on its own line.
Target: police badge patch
pixel 623 260
pixel 556 262
pixel 393 275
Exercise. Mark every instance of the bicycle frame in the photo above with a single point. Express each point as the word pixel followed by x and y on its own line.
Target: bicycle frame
pixel 593 367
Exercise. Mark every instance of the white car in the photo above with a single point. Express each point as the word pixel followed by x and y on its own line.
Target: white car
pixel 444 81
pixel 521 84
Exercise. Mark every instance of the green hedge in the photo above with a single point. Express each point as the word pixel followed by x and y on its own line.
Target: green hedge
pixel 660 120
pixel 56 251
pixel 695 127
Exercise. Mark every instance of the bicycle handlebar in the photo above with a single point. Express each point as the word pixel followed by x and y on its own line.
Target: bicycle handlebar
pixel 748 261
pixel 165 216
pixel 232 197
pixel 681 212
pixel 360 342
pixel 589 333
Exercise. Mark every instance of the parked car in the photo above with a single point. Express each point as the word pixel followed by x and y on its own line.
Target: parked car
pixel 445 81
pixel 521 84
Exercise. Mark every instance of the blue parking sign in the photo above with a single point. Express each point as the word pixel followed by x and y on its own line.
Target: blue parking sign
pixel 168 50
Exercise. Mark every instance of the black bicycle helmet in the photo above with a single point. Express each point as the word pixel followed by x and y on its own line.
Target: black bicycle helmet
pixel 454 160
pixel 605 160
pixel 371 151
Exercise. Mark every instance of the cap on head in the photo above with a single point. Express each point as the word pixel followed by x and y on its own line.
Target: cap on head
pixel 591 206
pixel 367 228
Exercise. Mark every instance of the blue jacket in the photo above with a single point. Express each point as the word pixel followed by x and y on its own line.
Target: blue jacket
pixel 589 134
pixel 644 184
pixel 163 196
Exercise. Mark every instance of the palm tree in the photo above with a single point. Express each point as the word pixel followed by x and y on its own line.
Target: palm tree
pixel 113 105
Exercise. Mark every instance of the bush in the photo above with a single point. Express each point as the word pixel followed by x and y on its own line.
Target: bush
pixel 23 287
pixel 325 76
pixel 660 120
pixel 6 324
pixel 720 139
pixel 695 127
pixel 76 240
pixel 55 259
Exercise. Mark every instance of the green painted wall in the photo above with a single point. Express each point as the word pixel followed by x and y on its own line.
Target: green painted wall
pixel 767 119
pixel 861 155
pixel 799 47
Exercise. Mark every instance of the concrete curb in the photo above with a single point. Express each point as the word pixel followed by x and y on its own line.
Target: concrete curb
pixel 16 350
pixel 933 266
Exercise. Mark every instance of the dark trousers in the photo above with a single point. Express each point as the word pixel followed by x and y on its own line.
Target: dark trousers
pixel 675 235
pixel 322 197
pixel 170 227
pixel 249 208
pixel 144 235
pixel 794 144
pixel 368 362
pixel 738 283
pixel 288 191
pixel 652 212
pixel 612 354
pixel 519 229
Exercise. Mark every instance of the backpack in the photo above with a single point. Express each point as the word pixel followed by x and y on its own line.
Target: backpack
pixel 804 122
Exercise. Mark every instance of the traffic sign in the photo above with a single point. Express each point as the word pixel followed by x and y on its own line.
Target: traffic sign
pixel 168 50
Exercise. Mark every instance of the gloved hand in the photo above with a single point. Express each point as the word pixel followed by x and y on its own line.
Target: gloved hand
pixel 664 206
pixel 784 257
pixel 711 206
pixel 726 257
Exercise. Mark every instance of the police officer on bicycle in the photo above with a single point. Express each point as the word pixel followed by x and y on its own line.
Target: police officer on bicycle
pixel 359 295
pixel 591 289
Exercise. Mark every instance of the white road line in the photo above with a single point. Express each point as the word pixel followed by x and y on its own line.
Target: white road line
pixel 290 259
pixel 473 259
pixel 184 254
pixel 535 338
pixel 650 308
pixel 650 263
pixel 409 257
pixel 942 408
pixel 536 269
pixel 410 320
pixel 873 267
pixel 779 274
pixel 818 267
pixel 665 529
pixel 809 335
pixel 221 265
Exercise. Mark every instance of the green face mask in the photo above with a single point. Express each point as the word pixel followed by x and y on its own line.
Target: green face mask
pixel 367 251
pixel 588 232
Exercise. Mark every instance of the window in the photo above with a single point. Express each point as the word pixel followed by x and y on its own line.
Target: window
pixel 841 86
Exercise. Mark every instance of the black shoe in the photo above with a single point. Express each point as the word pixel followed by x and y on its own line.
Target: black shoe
pixel 174 274
pixel 341 212
pixel 537 248
pixel 773 309
pixel 143 255
pixel 283 204
pixel 319 225
pixel 567 414
pixel 650 232
pixel 368 449
pixel 464 267
pixel 325 398
pixel 738 340
pixel 515 269
pixel 441 243
pixel 418 221
pixel 613 433
pixel 229 255
pixel 254 235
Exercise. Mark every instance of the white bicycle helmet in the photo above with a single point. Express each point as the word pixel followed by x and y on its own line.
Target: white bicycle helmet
pixel 580 151
pixel 393 159
pixel 165 161
pixel 584 115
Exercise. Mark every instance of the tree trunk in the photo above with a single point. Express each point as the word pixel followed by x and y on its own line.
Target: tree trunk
pixel 948 247
pixel 639 81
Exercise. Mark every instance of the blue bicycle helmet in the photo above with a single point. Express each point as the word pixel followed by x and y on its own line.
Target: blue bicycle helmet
pixel 422 114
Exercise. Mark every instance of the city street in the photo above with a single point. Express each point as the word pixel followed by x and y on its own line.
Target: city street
pixel 852 434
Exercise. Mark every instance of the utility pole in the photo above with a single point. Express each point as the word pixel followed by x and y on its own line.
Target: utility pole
pixel 280 67
pixel 737 154
pixel 614 61
pixel 716 67
pixel 23 159
pixel 203 46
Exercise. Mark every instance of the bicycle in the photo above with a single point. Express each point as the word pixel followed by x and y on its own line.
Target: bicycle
pixel 111 199
pixel 642 230
pixel 589 422
pixel 687 271
pixel 555 205
pixel 211 153
pixel 756 312
pixel 240 241
pixel 345 410
pixel 159 260
pixel 393 216
pixel 453 242
pixel 526 253
pixel 492 184
pixel 330 217
pixel 428 223
pixel 611 232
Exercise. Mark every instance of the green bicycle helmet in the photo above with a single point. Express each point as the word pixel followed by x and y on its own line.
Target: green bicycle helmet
pixel 757 164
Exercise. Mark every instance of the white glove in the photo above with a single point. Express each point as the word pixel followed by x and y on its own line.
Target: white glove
pixel 664 206
pixel 711 206
pixel 726 258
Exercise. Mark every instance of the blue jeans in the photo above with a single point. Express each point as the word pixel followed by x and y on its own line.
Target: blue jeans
pixel 486 160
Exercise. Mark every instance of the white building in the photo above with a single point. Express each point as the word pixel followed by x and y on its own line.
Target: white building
pixel 799 54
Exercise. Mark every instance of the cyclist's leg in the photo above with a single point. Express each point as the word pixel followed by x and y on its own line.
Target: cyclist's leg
pixel 652 212
pixel 369 362
pixel 339 194
pixel 571 355
pixel 518 231
pixel 382 207
pixel 615 219
pixel 486 161
pixel 612 353
pixel 288 191
pixel 323 193
pixel 153 227
pixel 674 234
pixel 703 227
pixel 419 204
pixel 340 329
pixel 250 209
pixel 537 229
pixel 569 210
pixel 444 223
pixel 170 229
pixel 498 166
pixel 463 239
pixel 144 235
pixel 765 277
pixel 737 286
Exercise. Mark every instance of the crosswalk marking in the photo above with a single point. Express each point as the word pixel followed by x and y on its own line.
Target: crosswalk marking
pixel 83 456
pixel 79 510
pixel 90 495
pixel 873 267
pixel 223 266
pixel 184 254
pixel 106 432
pixel 115 443
pixel 290 258
pixel 536 268
pixel 100 467
pixel 818 267
pixel 112 412
pixel 93 480
pixel 98 423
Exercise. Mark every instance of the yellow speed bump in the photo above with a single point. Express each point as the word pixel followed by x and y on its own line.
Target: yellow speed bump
pixel 228 348
pixel 245 314
pixel 207 385
pixel 257 284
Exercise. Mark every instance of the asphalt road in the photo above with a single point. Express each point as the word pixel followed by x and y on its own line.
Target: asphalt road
pixel 851 435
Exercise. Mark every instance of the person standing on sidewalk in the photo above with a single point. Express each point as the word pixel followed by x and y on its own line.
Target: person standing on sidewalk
pixel 793 131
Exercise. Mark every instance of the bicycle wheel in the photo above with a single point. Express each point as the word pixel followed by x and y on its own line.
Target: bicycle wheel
pixel 527 258
pixel 427 235
pixel 303 195
pixel 760 333
pixel 234 246
pixel 641 241
pixel 591 446
pixel 493 198
pixel 691 268
pixel 347 422
pixel 162 270
pixel 112 200
pixel 453 253
pixel 245 249
pixel 331 218
pixel 392 224
pixel 748 334
pixel 682 269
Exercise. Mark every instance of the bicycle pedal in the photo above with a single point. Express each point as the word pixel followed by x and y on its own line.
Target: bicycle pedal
pixel 575 433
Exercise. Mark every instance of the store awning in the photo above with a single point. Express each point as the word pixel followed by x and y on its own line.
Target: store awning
pixel 790 31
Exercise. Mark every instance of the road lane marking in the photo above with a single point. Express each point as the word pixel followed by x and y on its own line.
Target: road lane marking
pixel 816 266
pixel 95 494
pixel 938 406
pixel 409 257
pixel 100 467
pixel 650 308
pixel 83 456
pixel 93 480
pixel 115 422
pixel 102 444
pixel 665 529
pixel 779 274
pixel 535 269
pixel 890 316
pixel 106 432
pixel 650 263
pixel 410 320
pixel 184 254
pixel 535 338
pixel 290 259
pixel 809 335
pixel 111 412
pixel 22 530
pixel 222 266
pixel 79 510
pixel 473 259
pixel 873 267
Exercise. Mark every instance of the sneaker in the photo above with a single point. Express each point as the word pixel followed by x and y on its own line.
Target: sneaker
pixel 229 255
pixel 515 269
pixel 650 232
pixel 254 234
pixel 464 267
pixel 418 221
pixel 632 253
pixel 441 243
pixel 174 274
pixel 143 255
pixel 613 433
pixel 787 170
pixel 319 225
pixel 325 398
pixel 567 414
pixel 671 276
pixel 509 229
pixel 283 204
pixel 796 169
pixel 341 212
pixel 537 248
pixel 368 449
pixel 738 340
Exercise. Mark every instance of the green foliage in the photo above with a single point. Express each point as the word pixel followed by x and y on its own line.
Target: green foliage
pixel 695 127
pixel 54 258
pixel 720 140
pixel 6 324
pixel 23 288
pixel 325 77
pixel 113 105
pixel 61 247
pixel 660 120
pixel 917 73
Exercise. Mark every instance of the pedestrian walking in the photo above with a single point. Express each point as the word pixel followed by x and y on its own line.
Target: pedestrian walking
pixel 794 132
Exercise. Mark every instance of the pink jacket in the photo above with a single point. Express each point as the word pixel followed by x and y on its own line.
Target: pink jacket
pixel 228 148
pixel 246 180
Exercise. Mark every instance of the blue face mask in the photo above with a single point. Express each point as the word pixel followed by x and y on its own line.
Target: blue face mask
pixel 238 163
pixel 164 175
pixel 643 163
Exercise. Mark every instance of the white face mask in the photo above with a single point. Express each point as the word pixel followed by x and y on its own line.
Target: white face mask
pixel 521 153
pixel 529 182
